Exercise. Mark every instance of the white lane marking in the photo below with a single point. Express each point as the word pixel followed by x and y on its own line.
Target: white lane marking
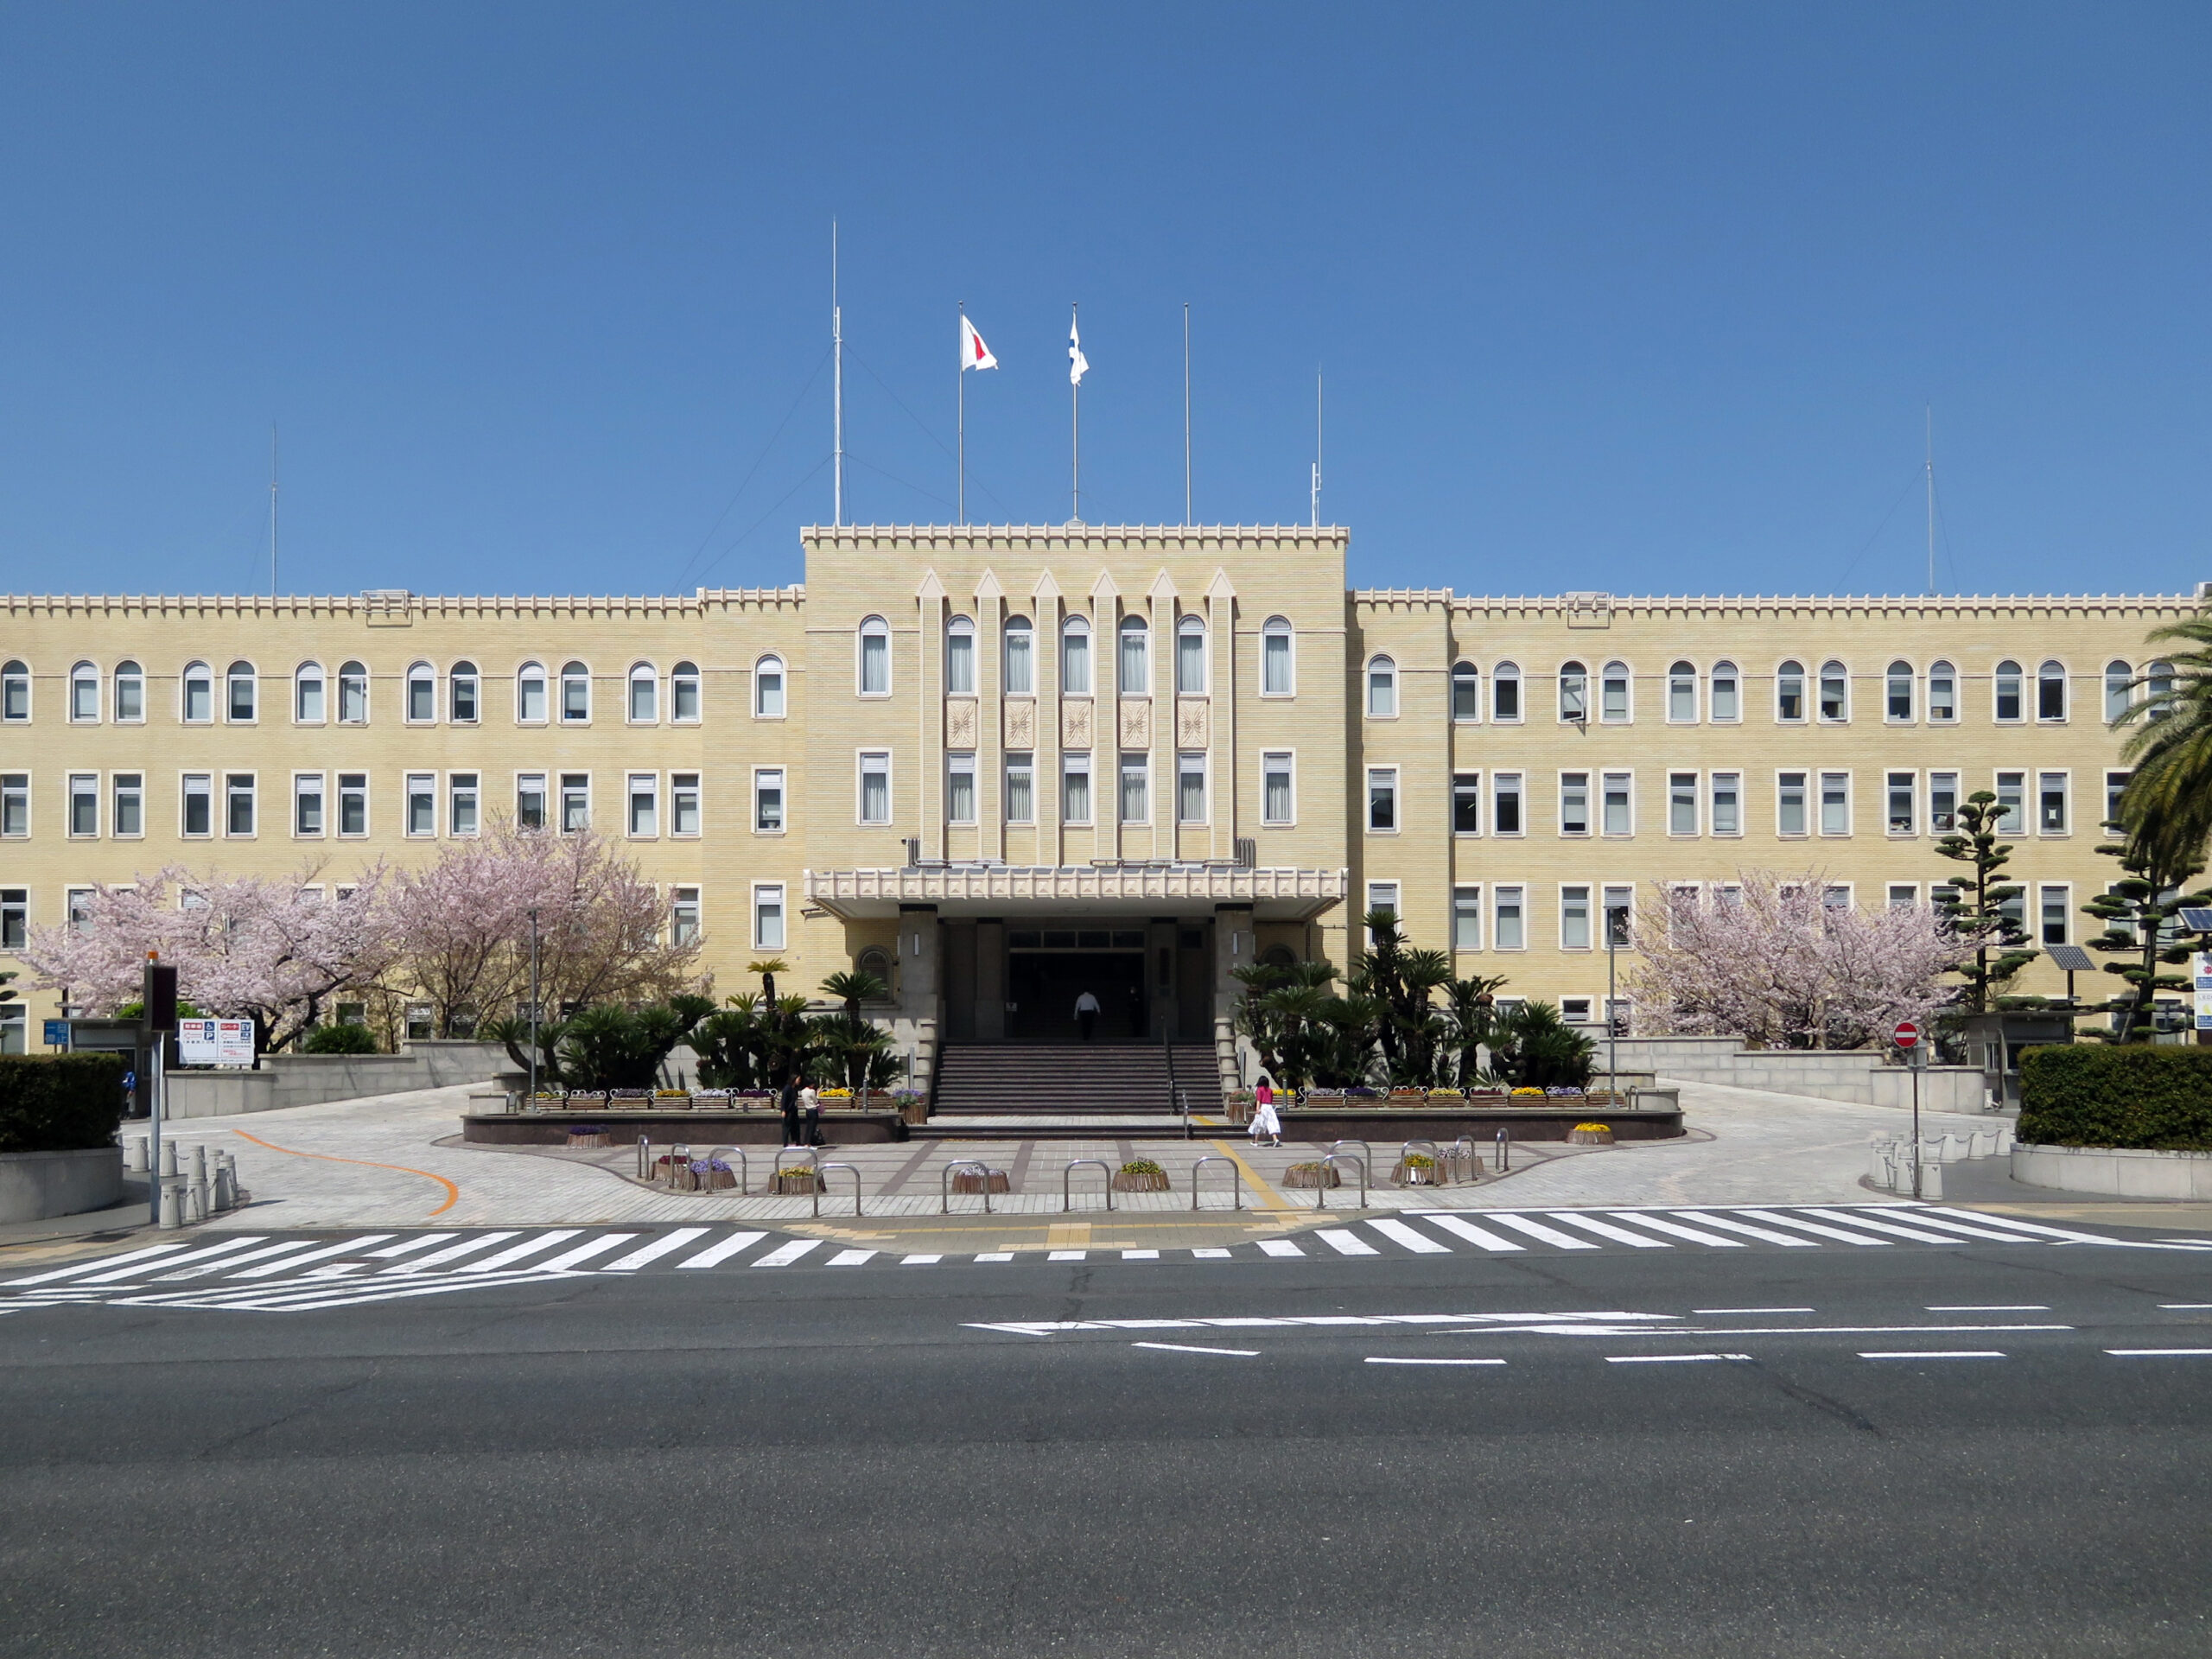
pixel 1345 1242
pixel 1990 1308
pixel 1460 1227
pixel 229 1248
pixel 451 1253
pixel 1385 1359
pixel 1957 1229
pixel 996 1256
pixel 53 1273
pixel 1858 1330
pixel 655 1250
pixel 1064 1255
pixel 1603 1322
pixel 928 1261
pixel 1767 1235
pixel 1203 1255
pixel 285 1247
pixel 584 1252
pixel 112 1275
pixel 1936 1218
pixel 347 1247
pixel 1140 1256
pixel 1606 1229
pixel 1883 1224
pixel 1667 1359
pixel 516 1252
pixel 1675 1230
pixel 408 1247
pixel 1184 1348
pixel 1549 1235
pixel 1819 1230
pixel 1279 1247
pixel 1420 1243
pixel 1741 1311
pixel 715 1255
pixel 2180 1307
pixel 784 1254
pixel 2160 1353
pixel 850 1258
pixel 1930 1353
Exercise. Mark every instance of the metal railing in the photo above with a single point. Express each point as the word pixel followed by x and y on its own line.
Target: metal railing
pixel 944 1183
pixel 822 1179
pixel 1067 1201
pixel 1235 1175
pixel 1321 1187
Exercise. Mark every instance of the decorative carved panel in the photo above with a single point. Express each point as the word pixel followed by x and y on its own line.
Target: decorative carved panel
pixel 1075 723
pixel 961 722
pixel 1136 723
pixel 1193 723
pixel 1020 723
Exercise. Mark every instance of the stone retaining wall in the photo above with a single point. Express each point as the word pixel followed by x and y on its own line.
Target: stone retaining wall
pixel 2119 1171
pixel 35 1186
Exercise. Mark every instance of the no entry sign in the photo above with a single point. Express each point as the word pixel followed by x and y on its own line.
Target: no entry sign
pixel 1907 1035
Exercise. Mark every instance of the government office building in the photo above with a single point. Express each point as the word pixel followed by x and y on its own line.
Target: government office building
pixel 998 767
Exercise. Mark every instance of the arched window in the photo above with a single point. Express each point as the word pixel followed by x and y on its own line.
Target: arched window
pixel 1133 669
pixel 422 693
pixel 1276 675
pixel 2119 680
pixel 1075 657
pixel 1191 657
pixel 960 658
pixel 530 694
pixel 1726 696
pixel 2160 685
pixel 1466 692
pixel 238 702
pixel 1943 692
pixel 1790 691
pixel 307 693
pixel 875 657
pixel 461 702
pixel 1681 694
pixel 129 693
pixel 1021 659
pixel 1835 692
pixel 645 694
pixel 2050 691
pixel 768 688
pixel 575 693
pixel 2006 684
pixel 1612 694
pixel 353 693
pixel 197 693
pixel 1382 688
pixel 14 690
pixel 1897 692
pixel 1574 692
pixel 85 692
pixel 875 963
pixel 684 693
pixel 1505 692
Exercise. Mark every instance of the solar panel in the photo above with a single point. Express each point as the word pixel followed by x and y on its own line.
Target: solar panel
pixel 2070 958
pixel 2197 920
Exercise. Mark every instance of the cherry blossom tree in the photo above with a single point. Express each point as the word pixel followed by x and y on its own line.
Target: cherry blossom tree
pixel 1770 960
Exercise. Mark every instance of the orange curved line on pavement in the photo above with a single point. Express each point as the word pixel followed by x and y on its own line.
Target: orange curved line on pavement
pixel 453 1192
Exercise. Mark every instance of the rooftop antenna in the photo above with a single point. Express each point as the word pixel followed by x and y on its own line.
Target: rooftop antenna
pixel 1186 412
pixel 272 509
pixel 837 386
pixel 1931 501
pixel 1317 448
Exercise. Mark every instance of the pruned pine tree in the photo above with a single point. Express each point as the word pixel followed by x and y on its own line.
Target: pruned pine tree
pixel 1983 902
pixel 2143 933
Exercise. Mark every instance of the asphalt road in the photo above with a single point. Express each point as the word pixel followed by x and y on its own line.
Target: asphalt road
pixel 815 1463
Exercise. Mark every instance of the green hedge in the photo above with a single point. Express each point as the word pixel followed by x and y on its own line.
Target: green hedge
pixel 60 1103
pixel 2142 1095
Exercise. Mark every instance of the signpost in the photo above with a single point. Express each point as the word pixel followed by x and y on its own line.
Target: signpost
pixel 215 1042
pixel 160 1017
pixel 1907 1038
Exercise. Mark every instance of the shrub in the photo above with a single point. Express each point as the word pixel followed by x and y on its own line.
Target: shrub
pixel 60 1103
pixel 2139 1095
pixel 1141 1166
pixel 340 1039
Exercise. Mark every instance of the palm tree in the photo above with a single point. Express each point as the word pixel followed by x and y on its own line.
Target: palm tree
pixel 2166 809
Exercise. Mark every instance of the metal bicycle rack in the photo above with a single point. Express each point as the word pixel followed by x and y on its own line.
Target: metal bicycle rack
pixel 743 1169
pixel 1321 1191
pixel 821 1179
pixel 1469 1160
pixel 811 1154
pixel 1435 1161
pixel 1236 1177
pixel 1098 1164
pixel 944 1183
pixel 1366 1158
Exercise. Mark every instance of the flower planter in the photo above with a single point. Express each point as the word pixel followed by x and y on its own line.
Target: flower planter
pixel 590 1137
pixel 969 1180
pixel 915 1111
pixel 1311 1175
pixel 1141 1175
pixel 793 1183
pixel 1590 1135
pixel 1416 1171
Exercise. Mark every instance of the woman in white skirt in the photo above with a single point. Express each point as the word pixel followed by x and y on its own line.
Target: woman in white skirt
pixel 1264 1121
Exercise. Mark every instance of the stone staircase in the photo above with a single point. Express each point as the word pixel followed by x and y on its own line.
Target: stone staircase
pixel 1007 1082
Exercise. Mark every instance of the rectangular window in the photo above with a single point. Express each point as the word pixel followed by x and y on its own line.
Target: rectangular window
pixel 876 787
pixel 238 803
pixel 1466 802
pixel 876 665
pixel 2116 785
pixel 15 803
pixel 14 1028
pixel 529 800
pixel 422 804
pixel 1190 789
pixel 1383 799
pixel 1727 803
pixel 1620 811
pixel 84 804
pixel 198 799
pixel 129 795
pixel 575 801
pixel 1020 789
pixel 1620 916
pixel 768 918
pixel 1466 918
pixel 683 804
pixel 1136 789
pixel 2050 803
pixel 2015 911
pixel 1381 895
pixel 1904 895
pixel 77 906
pixel 1574 802
pixel 644 795
pixel 1075 788
pixel 768 801
pixel 460 804
pixel 1682 803
pixel 1574 918
pixel 1943 803
pixel 1278 801
pixel 960 788
pixel 15 918
pixel 1903 787
pixel 1274 662
pixel 683 916
pixel 1505 804
pixel 2057 905
pixel 2011 802
pixel 1790 803
pixel 1835 802
pixel 307 804
pixel 1510 932
pixel 353 803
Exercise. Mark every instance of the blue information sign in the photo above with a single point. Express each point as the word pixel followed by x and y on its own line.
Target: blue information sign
pixel 57 1034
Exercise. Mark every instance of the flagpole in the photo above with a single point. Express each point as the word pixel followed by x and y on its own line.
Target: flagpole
pixel 837 385
pixel 1186 412
pixel 1317 448
pixel 1075 435
pixel 960 376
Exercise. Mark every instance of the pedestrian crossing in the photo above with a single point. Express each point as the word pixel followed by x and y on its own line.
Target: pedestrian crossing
pixel 260 1273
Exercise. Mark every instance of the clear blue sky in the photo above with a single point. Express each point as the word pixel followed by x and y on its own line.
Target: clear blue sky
pixel 1645 298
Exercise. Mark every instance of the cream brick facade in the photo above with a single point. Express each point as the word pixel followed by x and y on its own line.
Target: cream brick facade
pixel 1422 740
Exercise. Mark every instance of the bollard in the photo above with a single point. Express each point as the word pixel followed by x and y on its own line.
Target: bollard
pixel 223 1190
pixel 1931 1181
pixel 1504 1142
pixel 134 1154
pixel 201 1208
pixel 172 1203
pixel 168 1158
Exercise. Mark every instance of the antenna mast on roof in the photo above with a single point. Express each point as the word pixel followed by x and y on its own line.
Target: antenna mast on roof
pixel 1317 448
pixel 1931 500
pixel 272 511
pixel 837 388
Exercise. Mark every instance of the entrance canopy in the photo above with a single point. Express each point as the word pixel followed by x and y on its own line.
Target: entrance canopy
pixel 1106 889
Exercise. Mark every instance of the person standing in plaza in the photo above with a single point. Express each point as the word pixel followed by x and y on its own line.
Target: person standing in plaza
pixel 1264 1119
pixel 789 1103
pixel 810 1106
pixel 1086 1014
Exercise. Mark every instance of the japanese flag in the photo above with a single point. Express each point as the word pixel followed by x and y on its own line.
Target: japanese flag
pixel 973 354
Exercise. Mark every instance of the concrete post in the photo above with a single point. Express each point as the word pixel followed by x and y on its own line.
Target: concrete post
pixel 918 1022
pixel 990 979
pixel 199 1183
pixel 1233 948
pixel 168 1158
pixel 134 1154
pixel 172 1191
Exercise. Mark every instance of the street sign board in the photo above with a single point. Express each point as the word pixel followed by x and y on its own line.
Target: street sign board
pixel 57 1034
pixel 1906 1036
pixel 215 1042
pixel 2201 977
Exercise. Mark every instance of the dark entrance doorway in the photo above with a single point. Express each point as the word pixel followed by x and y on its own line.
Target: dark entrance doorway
pixel 1042 987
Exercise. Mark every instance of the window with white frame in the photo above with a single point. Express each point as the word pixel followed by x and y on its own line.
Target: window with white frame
pixel 1075 657
pixel 683 915
pixel 2011 802
pixel 1943 693
pixel 1505 805
pixel 1468 919
pixel 1574 802
pixel 1836 896
pixel 1902 789
pixel 1466 693
pixel 1466 802
pixel 196 694
pixel 422 694
pixel 1190 657
pixel 1276 679
pixel 127 804
pixel 1278 795
pixel 529 695
pixel 464 695
pixel 1682 803
pixel 1020 652
pixel 196 806
pixel 768 688
pixel 2158 689
pixel 1021 787
pixel 643 706
pixel 1904 895
pixel 1075 787
pixel 1619 802
pixel 422 795
pixel 1136 789
pixel 1382 798
pixel 1505 694
pixel 241 699
pixel 352 694
pixel 84 804
pixel 1573 693
pixel 2119 689
pixel 874 663
pixel 960 658
pixel 130 694
pixel 14 690
pixel 960 787
pixel 576 693
pixel 77 906
pixel 15 918
pixel 529 800
pixel 84 693
pixel 1619 913
pixel 1681 694
pixel 1574 918
pixel 875 786
pixel 307 805
pixel 238 803
pixel 307 693
pixel 14 1028
pixel 576 802
pixel 1835 693
pixel 1896 700
pixel 1382 688
pixel 353 803
pixel 461 801
pixel 643 812
pixel 768 800
pixel 1133 669
pixel 1728 793
pixel 1509 928
pixel 2050 691
pixel 1613 706
pixel 1789 692
pixel 1383 896
pixel 2115 786
pixel 1943 803
pixel 2056 902
pixel 1191 788
pixel 683 701
pixel 1835 802
pixel 2005 688
pixel 768 917
pixel 1790 803
pixel 1726 703
pixel 2051 791
pixel 683 804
